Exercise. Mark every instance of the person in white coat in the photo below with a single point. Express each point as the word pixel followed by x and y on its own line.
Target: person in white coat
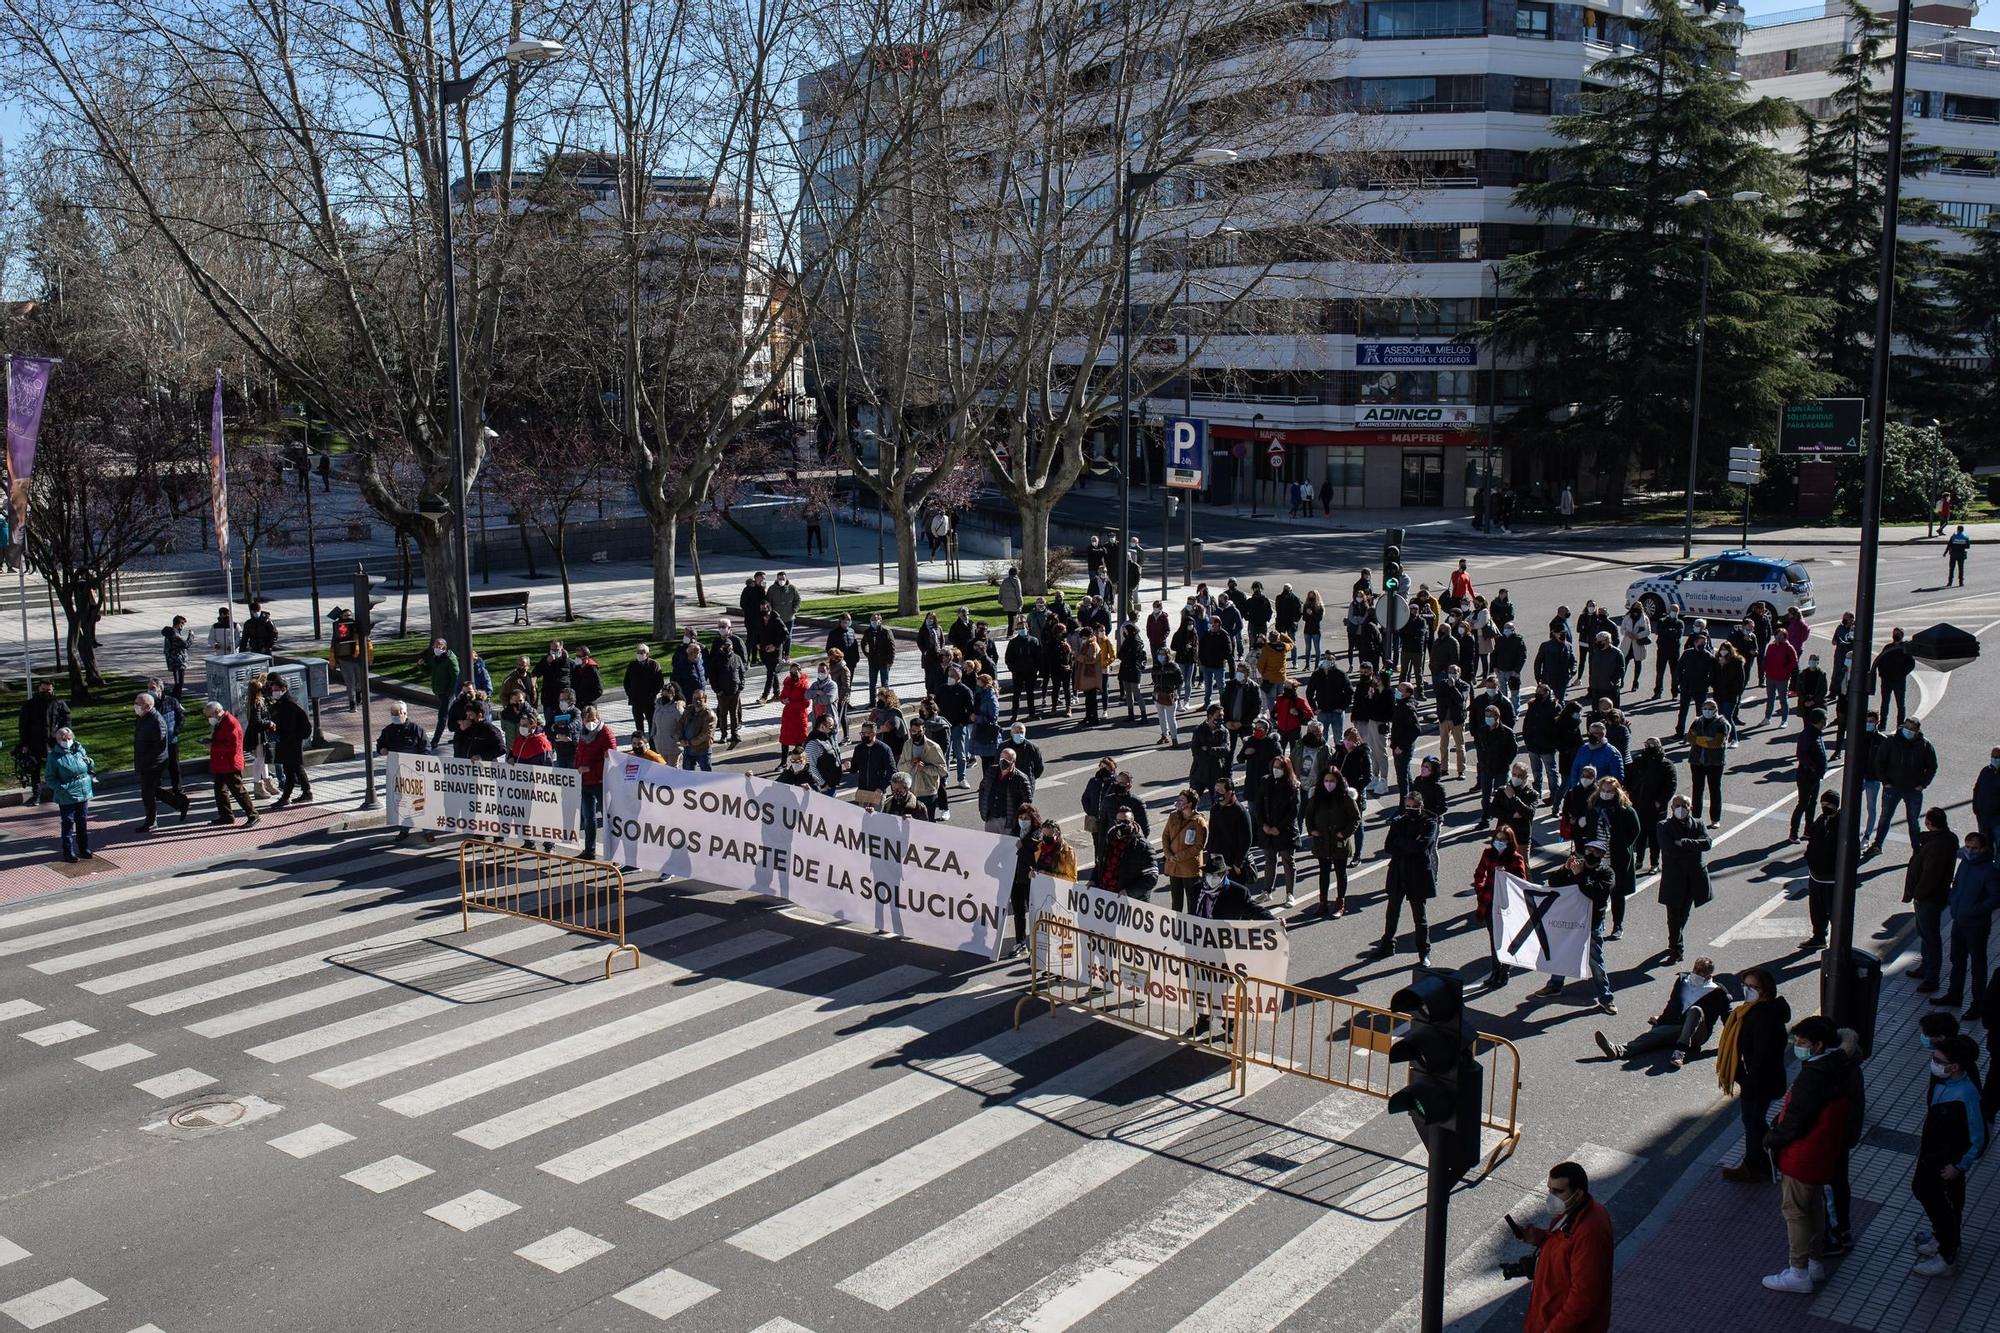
pixel 1635 636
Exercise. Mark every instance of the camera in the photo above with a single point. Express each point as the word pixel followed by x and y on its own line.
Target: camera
pixel 1523 1268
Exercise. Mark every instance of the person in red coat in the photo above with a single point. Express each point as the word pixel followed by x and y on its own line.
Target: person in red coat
pixel 596 743
pixel 1806 1141
pixel 795 723
pixel 225 765
pixel 1502 852
pixel 1572 1289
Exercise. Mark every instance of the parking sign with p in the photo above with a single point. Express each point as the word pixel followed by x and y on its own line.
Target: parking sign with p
pixel 1187 452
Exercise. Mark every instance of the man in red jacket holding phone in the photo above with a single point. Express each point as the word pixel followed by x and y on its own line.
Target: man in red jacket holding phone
pixel 1572 1274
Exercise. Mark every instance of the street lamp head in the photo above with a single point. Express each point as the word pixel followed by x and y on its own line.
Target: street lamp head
pixel 533 51
pixel 1746 196
pixel 1213 157
pixel 1692 197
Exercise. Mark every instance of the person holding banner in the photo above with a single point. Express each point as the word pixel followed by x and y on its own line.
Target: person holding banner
pixel 697 733
pixel 924 762
pixel 477 737
pixel 1127 864
pixel 596 743
pixel 1502 852
pixel 871 764
pixel 1587 871
pixel 1003 794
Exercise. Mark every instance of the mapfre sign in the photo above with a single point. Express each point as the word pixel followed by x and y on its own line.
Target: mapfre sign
pixel 1388 414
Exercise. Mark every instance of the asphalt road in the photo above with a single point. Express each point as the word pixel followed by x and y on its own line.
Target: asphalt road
pixel 774 1121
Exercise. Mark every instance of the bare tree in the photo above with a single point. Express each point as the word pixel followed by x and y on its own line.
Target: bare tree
pixel 545 472
pixel 285 154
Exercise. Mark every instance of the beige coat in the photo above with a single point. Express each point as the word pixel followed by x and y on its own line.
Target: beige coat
pixel 923 760
pixel 1181 855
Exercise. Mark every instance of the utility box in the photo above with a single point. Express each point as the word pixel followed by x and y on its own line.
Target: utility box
pixel 305 677
pixel 229 676
pixel 1865 995
pixel 1194 554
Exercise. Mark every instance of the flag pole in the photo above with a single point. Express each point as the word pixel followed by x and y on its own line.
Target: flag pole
pixel 20 566
pixel 218 482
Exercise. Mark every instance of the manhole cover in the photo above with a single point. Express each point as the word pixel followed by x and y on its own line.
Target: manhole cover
pixel 210 1113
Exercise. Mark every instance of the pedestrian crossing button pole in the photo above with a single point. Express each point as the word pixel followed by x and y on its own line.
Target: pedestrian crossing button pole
pixel 1443 1100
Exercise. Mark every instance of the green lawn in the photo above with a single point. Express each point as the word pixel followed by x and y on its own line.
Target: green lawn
pixel 981 599
pixel 611 642
pixel 104 725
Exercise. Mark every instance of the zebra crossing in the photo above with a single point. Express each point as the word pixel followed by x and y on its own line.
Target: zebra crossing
pixel 766 1107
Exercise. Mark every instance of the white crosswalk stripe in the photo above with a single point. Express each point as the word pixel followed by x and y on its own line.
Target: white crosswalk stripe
pixel 573 959
pixel 572 1001
pixel 842 1205
pixel 582 1045
pixel 280 871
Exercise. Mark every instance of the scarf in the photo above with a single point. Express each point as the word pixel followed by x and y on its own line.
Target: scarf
pixel 1725 1047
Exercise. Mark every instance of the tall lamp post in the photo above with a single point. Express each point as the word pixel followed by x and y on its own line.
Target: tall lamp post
pixel 1131 183
pixel 1837 979
pixel 1700 199
pixel 449 93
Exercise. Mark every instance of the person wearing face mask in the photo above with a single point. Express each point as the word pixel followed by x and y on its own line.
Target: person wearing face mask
pixel 1822 850
pixel 1276 816
pixel 1404 730
pixel 1684 882
pixel 1952 1141
pixel 596 743
pixel 1333 823
pixel 1667 630
pixel 795 695
pixel 1453 697
pixel 1331 694
pixel 1412 848
pixel 1809 765
pixel 291 728
pixel 1986 796
pixel 1809 683
pixel 1242 702
pixel 70 777
pixel 1750 1060
pixel 1183 844
pixel 901 800
pixel 1696 1002
pixel 1127 864
pixel 1651 781
pixel 1709 738
pixel 1804 1143
pixel 1909 763
pixel 1573 1253
pixel 1501 853
pixel 1230 833
pixel 794 771
pixel 1975 894
pixel 1497 745
pixel 1893 666
pixel 1587 871
pixel 1619 826
pixel 1927 888
pixel 1513 805
pixel 1002 793
pixel 1374 704
pixel 1508 660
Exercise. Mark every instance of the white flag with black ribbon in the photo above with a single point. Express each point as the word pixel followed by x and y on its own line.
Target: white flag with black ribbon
pixel 1544 927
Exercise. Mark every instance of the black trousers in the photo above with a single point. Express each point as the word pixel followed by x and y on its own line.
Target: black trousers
pixel 1335 868
pixel 1819 904
pixel 1808 802
pixel 292 763
pixel 1667 671
pixel 1419 925
pixel 152 787
pixel 1944 1204
pixel 1710 778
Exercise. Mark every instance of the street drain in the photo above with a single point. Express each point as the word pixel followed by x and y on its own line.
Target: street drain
pixel 208 1113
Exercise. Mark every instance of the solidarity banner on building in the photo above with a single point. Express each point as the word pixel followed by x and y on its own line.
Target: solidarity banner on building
pixel 931 883
pixel 481 800
pixel 1546 928
pixel 1255 950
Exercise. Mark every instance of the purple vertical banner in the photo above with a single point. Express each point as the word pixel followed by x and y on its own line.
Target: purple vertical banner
pixel 218 474
pixel 27 388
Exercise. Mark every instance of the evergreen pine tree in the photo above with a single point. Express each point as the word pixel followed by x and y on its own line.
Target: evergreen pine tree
pixel 1607 315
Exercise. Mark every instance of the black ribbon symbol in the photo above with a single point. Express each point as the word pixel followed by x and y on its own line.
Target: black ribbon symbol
pixel 1540 903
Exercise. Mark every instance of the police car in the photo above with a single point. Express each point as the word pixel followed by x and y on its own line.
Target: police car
pixel 1727 587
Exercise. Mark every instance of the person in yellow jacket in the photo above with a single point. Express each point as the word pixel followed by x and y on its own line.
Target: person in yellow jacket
pixel 1182 843
pixel 1272 651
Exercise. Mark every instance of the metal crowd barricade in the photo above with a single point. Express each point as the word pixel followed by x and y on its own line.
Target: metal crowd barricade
pixel 585 896
pixel 1158 993
pixel 1345 1042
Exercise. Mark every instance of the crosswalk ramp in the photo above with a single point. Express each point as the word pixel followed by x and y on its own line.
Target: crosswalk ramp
pixel 773 1104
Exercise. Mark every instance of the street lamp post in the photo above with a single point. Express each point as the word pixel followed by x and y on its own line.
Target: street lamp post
pixel 1700 199
pixel 1130 184
pixel 1250 458
pixel 1837 980
pixel 449 93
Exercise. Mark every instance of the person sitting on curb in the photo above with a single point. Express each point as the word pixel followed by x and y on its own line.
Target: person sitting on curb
pixel 1695 1004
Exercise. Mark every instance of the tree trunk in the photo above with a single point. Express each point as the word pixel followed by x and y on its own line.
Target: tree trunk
pixel 694 562
pixel 666 537
pixel 905 519
pixel 403 557
pixel 527 549
pixel 1034 564
pixel 833 535
pixel 561 547
pixel 441 579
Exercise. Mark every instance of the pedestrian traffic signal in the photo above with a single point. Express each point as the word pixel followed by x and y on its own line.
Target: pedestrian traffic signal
pixel 366 599
pixel 1444 1095
pixel 1392 569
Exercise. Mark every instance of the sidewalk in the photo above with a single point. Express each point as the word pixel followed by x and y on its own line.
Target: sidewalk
pixel 1700 1265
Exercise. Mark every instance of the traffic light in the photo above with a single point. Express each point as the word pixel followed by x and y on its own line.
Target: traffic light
pixel 1392 569
pixel 1445 1092
pixel 366 599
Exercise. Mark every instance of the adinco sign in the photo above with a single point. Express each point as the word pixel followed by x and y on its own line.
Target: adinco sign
pixel 1385 415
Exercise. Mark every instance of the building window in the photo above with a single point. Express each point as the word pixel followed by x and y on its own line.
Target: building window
pixel 1447 317
pixel 1596 27
pixel 1791 60
pixel 1964 216
pixel 1425 95
pixel 1322 25
pixel 1531 96
pixel 1343 473
pixel 1391 19
pixel 1534 20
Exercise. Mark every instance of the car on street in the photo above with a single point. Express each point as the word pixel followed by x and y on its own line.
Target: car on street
pixel 1727 587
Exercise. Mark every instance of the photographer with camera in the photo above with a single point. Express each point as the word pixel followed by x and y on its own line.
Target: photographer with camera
pixel 1571 1265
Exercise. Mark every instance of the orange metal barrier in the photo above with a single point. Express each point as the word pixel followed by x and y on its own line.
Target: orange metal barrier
pixel 585 896
pixel 1170 997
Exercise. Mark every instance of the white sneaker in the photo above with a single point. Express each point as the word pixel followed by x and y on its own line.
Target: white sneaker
pixel 1927 1249
pixel 1291 901
pixel 1795 1280
pixel 1815 1270
pixel 1935 1266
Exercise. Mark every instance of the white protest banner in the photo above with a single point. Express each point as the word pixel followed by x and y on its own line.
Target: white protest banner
pixel 931 883
pixel 1546 928
pixel 1255 949
pixel 482 800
